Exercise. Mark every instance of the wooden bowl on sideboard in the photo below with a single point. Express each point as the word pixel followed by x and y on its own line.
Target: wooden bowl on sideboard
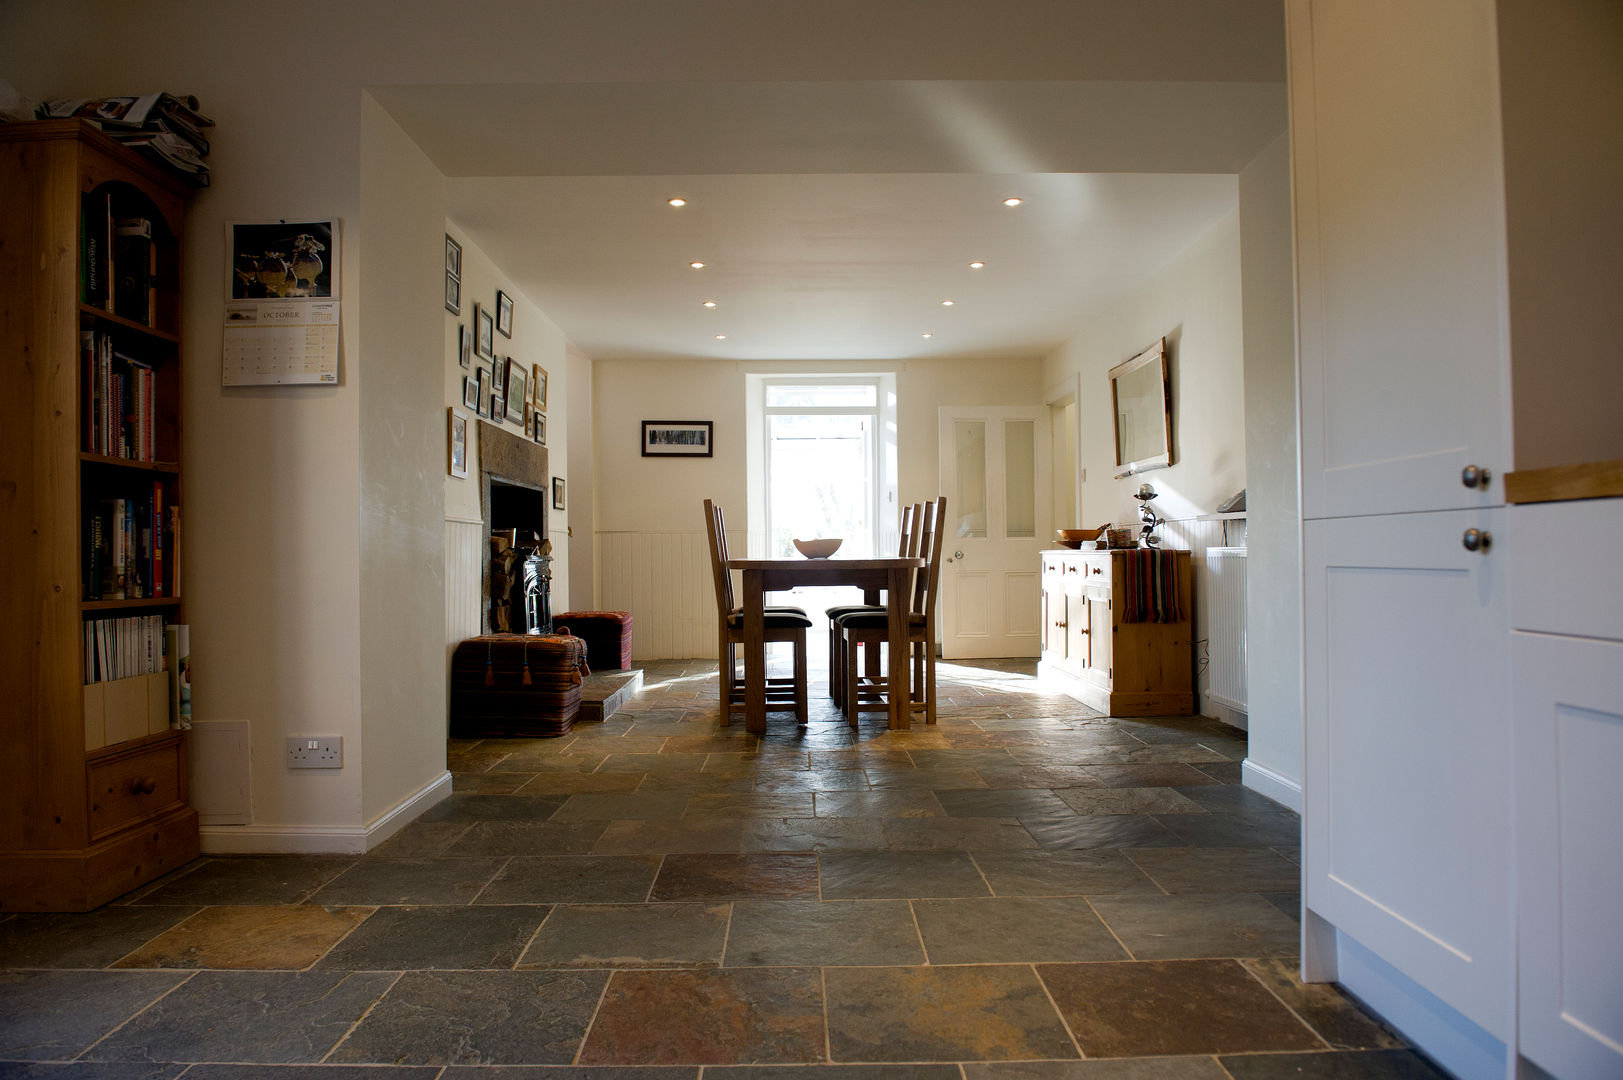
pixel 1075 538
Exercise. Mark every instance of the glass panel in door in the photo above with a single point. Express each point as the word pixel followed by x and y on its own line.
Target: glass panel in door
pixel 970 443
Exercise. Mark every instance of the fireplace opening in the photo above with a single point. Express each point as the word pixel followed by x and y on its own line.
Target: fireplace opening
pixel 520 577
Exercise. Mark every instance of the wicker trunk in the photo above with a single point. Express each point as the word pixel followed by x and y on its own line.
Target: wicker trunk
pixel 490 696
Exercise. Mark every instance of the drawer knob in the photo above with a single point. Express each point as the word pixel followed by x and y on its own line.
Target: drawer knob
pixel 1475 476
pixel 1477 540
pixel 143 786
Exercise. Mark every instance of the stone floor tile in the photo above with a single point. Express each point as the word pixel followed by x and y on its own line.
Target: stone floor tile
pixel 573 879
pixel 1213 869
pixel 570 783
pixel 635 806
pixel 1072 830
pixel 1189 1067
pixel 55 1015
pixel 1247 829
pixel 753 876
pixel 881 804
pixel 1095 872
pixel 1162 775
pixel 1036 777
pixel 1288 902
pixel 956 834
pixel 267 938
pixel 1231 798
pixel 91 939
pixel 1171 1007
pixel 876 875
pixel 922 1014
pixel 814 834
pixel 444 880
pixel 751 805
pixel 1364 1065
pixel 1336 1018
pixel 833 1072
pixel 494 807
pixel 477 1017
pixel 666 837
pixel 489 783
pixel 1015 929
pixel 1000 804
pixel 789 933
pixel 250 879
pixel 421 838
pixel 508 838
pixel 813 780
pixel 429 938
pixel 277 1017
pixel 1216 925
pixel 736 1016
pixel 888 779
pixel 310 1072
pixel 629 935
pixel 1149 800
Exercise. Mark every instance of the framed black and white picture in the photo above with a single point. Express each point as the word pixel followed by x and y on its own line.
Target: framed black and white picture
pixel 453 257
pixel 482 406
pixel 538 379
pixel 459 443
pixel 558 493
pixel 540 429
pixel 470 393
pixel 464 341
pixel 678 438
pixel 485 344
pixel 498 409
pixel 504 314
pixel 516 392
pixel 453 295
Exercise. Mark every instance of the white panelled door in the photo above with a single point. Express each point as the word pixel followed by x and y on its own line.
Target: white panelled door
pixel 995 475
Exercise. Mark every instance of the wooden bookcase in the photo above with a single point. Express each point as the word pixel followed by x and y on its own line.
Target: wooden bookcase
pixel 94 801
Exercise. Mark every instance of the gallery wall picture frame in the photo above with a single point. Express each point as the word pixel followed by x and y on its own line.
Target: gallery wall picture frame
pixel 483 407
pixel 458 449
pixel 538 376
pixel 504 314
pixel 558 493
pixel 464 345
pixel 529 420
pixel 540 429
pixel 470 393
pixel 453 257
pixel 485 343
pixel 498 409
pixel 678 438
pixel 517 392
pixel 453 295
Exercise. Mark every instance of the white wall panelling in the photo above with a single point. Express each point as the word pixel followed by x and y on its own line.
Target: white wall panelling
pixel 663 578
pixel 465 543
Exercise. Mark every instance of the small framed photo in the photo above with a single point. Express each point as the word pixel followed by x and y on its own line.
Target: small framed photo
pixel 529 420
pixel 464 344
pixel 453 257
pixel 504 314
pixel 557 493
pixel 498 409
pixel 540 429
pixel 483 406
pixel 539 375
pixel 453 295
pixel 517 392
pixel 485 344
pixel 678 438
pixel 470 393
pixel 459 442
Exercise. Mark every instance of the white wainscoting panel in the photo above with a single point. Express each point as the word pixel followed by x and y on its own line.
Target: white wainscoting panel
pixel 464 566
pixel 663 579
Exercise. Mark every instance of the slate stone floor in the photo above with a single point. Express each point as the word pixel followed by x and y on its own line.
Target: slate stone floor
pixel 1025 891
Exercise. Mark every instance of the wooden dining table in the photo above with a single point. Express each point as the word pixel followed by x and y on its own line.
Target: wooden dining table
pixel 894 575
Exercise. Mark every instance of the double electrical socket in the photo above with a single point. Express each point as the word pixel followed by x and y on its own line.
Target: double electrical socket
pixel 315 752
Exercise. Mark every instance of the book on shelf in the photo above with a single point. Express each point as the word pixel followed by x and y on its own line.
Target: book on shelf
pixel 135 270
pixel 123 647
pixel 131 548
pixel 120 400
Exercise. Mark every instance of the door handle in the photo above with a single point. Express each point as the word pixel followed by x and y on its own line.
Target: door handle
pixel 955 555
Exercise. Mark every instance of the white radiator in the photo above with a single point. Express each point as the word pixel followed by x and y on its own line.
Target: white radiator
pixel 1225 626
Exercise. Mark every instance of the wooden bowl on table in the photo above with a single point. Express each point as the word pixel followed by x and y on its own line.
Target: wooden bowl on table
pixel 819 549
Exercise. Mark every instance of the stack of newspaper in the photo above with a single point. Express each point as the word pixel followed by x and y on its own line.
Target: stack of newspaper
pixel 165 127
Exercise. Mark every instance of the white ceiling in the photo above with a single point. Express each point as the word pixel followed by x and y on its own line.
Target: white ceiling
pixel 835 216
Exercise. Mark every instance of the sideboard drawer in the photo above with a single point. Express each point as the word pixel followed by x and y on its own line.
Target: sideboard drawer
pixel 128 788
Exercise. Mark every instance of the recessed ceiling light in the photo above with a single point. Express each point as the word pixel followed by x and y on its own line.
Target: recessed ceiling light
pixel 721 337
pixel 927 334
pixel 709 303
pixel 948 303
pixel 677 202
pixel 977 265
pixel 1013 200
pixel 696 264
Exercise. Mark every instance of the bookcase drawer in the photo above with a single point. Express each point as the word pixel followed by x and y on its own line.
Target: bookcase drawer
pixel 129 787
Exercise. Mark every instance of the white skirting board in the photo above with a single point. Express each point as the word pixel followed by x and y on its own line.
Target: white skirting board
pixel 1264 781
pixel 323 839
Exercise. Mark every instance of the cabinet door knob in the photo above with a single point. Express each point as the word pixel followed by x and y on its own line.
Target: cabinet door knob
pixel 1475 476
pixel 1477 540
pixel 143 786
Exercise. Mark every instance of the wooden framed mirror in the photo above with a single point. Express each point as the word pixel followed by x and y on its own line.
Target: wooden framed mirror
pixel 1141 402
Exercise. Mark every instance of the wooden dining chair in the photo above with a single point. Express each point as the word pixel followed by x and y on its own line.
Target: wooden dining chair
pixel 780 625
pixel 865 692
pixel 907 545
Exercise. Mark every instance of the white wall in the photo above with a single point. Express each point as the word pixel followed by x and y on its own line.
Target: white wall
pixel 580 465
pixel 1273 506
pixel 649 520
pixel 403 461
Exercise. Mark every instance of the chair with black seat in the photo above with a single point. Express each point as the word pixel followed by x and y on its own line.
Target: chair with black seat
pixel 906 546
pixel 865 692
pixel 779 625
